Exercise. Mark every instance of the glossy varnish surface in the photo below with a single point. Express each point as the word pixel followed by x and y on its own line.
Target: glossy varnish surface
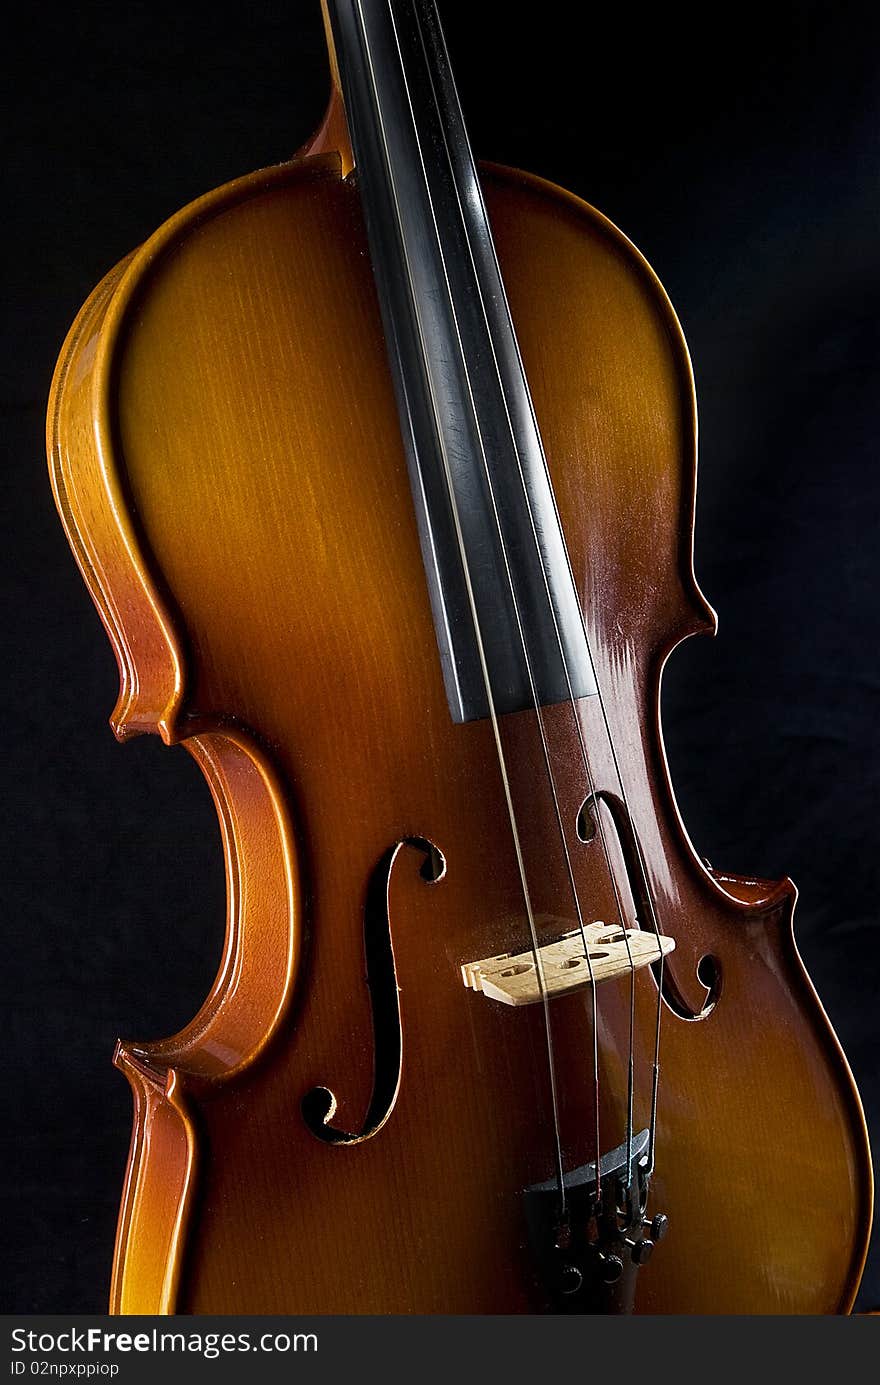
pixel 242 516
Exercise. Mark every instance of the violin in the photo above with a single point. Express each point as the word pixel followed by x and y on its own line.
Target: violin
pixel 380 468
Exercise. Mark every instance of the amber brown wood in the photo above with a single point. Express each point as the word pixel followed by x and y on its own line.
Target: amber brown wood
pixel 227 462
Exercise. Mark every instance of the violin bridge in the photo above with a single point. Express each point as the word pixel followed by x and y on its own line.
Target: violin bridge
pixel 514 977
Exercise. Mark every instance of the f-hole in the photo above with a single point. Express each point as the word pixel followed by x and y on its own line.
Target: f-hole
pixel 708 967
pixel 319 1105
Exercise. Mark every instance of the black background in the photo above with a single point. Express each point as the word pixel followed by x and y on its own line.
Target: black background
pixel 738 146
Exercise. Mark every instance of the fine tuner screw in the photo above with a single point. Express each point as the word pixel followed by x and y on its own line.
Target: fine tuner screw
pixel 642 1250
pixel 612 1267
pixel 571 1279
pixel 658 1226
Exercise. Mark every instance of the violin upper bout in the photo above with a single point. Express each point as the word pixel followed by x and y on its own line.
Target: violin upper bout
pixel 89 471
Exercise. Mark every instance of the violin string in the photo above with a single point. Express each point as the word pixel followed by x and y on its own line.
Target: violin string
pixel 655 1072
pixel 643 870
pixel 505 779
pixel 532 684
pixel 517 613
pixel 647 893
pixel 571 697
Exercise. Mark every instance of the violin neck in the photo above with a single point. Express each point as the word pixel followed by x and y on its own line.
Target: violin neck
pixel 509 627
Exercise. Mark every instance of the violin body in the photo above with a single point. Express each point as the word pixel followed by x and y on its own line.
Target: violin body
pixel 227 460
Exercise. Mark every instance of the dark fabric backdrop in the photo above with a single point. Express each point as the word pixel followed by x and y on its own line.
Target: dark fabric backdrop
pixel 738 146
